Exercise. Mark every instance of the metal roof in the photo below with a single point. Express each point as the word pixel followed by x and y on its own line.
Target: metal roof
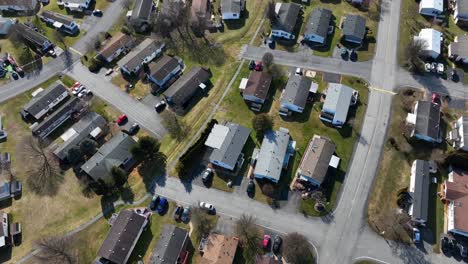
pixel 231 6
pixel 138 54
pixel 272 154
pixel 318 23
pixel 338 100
pixel 232 145
pixel 419 189
pixel 57 17
pixel 435 4
pixel 287 15
pixel 162 67
pixel 432 38
pixel 316 159
pixel 427 119
pixel 258 85
pixel 44 98
pixel 460 46
pixel 354 25
pixel 172 240
pixel 142 9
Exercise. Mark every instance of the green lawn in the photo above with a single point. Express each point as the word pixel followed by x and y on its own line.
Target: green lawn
pixel 301 126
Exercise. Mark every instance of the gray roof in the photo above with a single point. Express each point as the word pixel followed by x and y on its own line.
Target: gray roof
pixel 57 118
pixel 354 25
pixel 82 129
pixel 136 57
pixel 421 190
pixel 465 128
pixel 4 191
pixel 161 68
pixel 318 22
pixel 296 91
pixel 231 6
pixel 25 4
pixel 123 234
pixel 460 48
pixel 427 119
pixel 114 152
pixel 172 240
pixel 57 17
pixel 142 9
pixel 338 100
pixel 33 37
pixel 232 145
pixel 316 159
pixel 44 98
pixel 287 17
pixel 462 6
pixel 185 87
pixel 272 154
pixel 5 25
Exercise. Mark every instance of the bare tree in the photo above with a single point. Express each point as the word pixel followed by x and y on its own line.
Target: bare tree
pixel 126 4
pixel 246 229
pixel 173 15
pixel 44 177
pixel 267 60
pixel 56 249
pixel 296 249
pixel 201 222
pixel 414 53
pixel 270 11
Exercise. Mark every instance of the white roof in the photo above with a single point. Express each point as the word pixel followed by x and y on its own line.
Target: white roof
pixel 96 132
pixel 433 39
pixel 338 100
pixel 313 87
pixel 334 162
pixel 68 134
pixel 36 92
pixel 243 83
pixel 216 137
pixel 435 4
pixel 57 24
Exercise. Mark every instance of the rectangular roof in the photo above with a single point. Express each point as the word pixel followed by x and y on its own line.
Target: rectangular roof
pixel 219 249
pixel 318 22
pixel 338 100
pixel 59 116
pixel 296 91
pixel 460 47
pixel 113 153
pixel 44 98
pixel 187 85
pixel 30 35
pixel 231 6
pixel 287 15
pixel 123 234
pixel 199 8
pixel 419 189
pixel 354 25
pixel 272 154
pixel 118 41
pixel 142 9
pixel 57 17
pixel 457 192
pixel 427 119
pixel 432 38
pixel 232 145
pixel 80 131
pixel 435 4
pixel 162 67
pixel 316 159
pixel 138 54
pixel 171 242
pixel 26 4
pixel 462 6
pixel 258 84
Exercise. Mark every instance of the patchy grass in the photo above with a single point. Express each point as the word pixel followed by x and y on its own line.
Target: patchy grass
pixel 302 127
pixel 394 174
pixel 140 89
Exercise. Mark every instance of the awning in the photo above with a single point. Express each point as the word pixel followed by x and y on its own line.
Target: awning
pixel 243 83
pixel 313 87
pixel 96 132
pixel 57 24
pixel 68 134
pixel 334 162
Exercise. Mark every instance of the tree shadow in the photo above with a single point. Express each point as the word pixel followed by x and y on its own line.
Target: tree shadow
pixel 107 204
pixel 5 254
pixel 154 172
pixel 233 24
pixel 142 245
pixel 300 117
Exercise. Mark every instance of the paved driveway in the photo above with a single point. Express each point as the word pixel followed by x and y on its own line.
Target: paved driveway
pixel 142 114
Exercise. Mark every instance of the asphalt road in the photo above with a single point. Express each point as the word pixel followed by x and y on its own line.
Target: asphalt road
pixel 65 60
pixel 304 59
pixel 142 114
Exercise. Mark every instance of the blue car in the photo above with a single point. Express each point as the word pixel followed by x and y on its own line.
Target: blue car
pixel 162 205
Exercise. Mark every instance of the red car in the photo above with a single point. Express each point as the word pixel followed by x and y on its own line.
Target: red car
pixel 266 241
pixel 77 84
pixel 259 66
pixel 436 98
pixel 122 119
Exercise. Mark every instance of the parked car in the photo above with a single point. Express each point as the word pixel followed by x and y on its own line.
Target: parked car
pixel 416 235
pixel 251 187
pixel 354 99
pixel 154 202
pixel 463 250
pixel 159 107
pixel 277 244
pixel 271 43
pixel 207 175
pixel 209 207
pixel 185 214
pixel 97 12
pixel 440 68
pixel 122 119
pixel 83 93
pixel 259 66
pixel 266 241
pixel 77 89
pixel 252 65
pixel 444 244
pixel 15 76
pixel 161 205
pixel 436 99
pixel 344 53
pixel 75 85
pixel 178 212
pixel 298 71
pixel 134 129
pixel 109 72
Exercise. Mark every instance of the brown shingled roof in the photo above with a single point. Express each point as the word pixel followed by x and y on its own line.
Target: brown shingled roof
pixel 258 85
pixel 117 41
pixel 457 191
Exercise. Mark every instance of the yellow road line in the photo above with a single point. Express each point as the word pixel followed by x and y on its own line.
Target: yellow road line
pixel 382 90
pixel 76 51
